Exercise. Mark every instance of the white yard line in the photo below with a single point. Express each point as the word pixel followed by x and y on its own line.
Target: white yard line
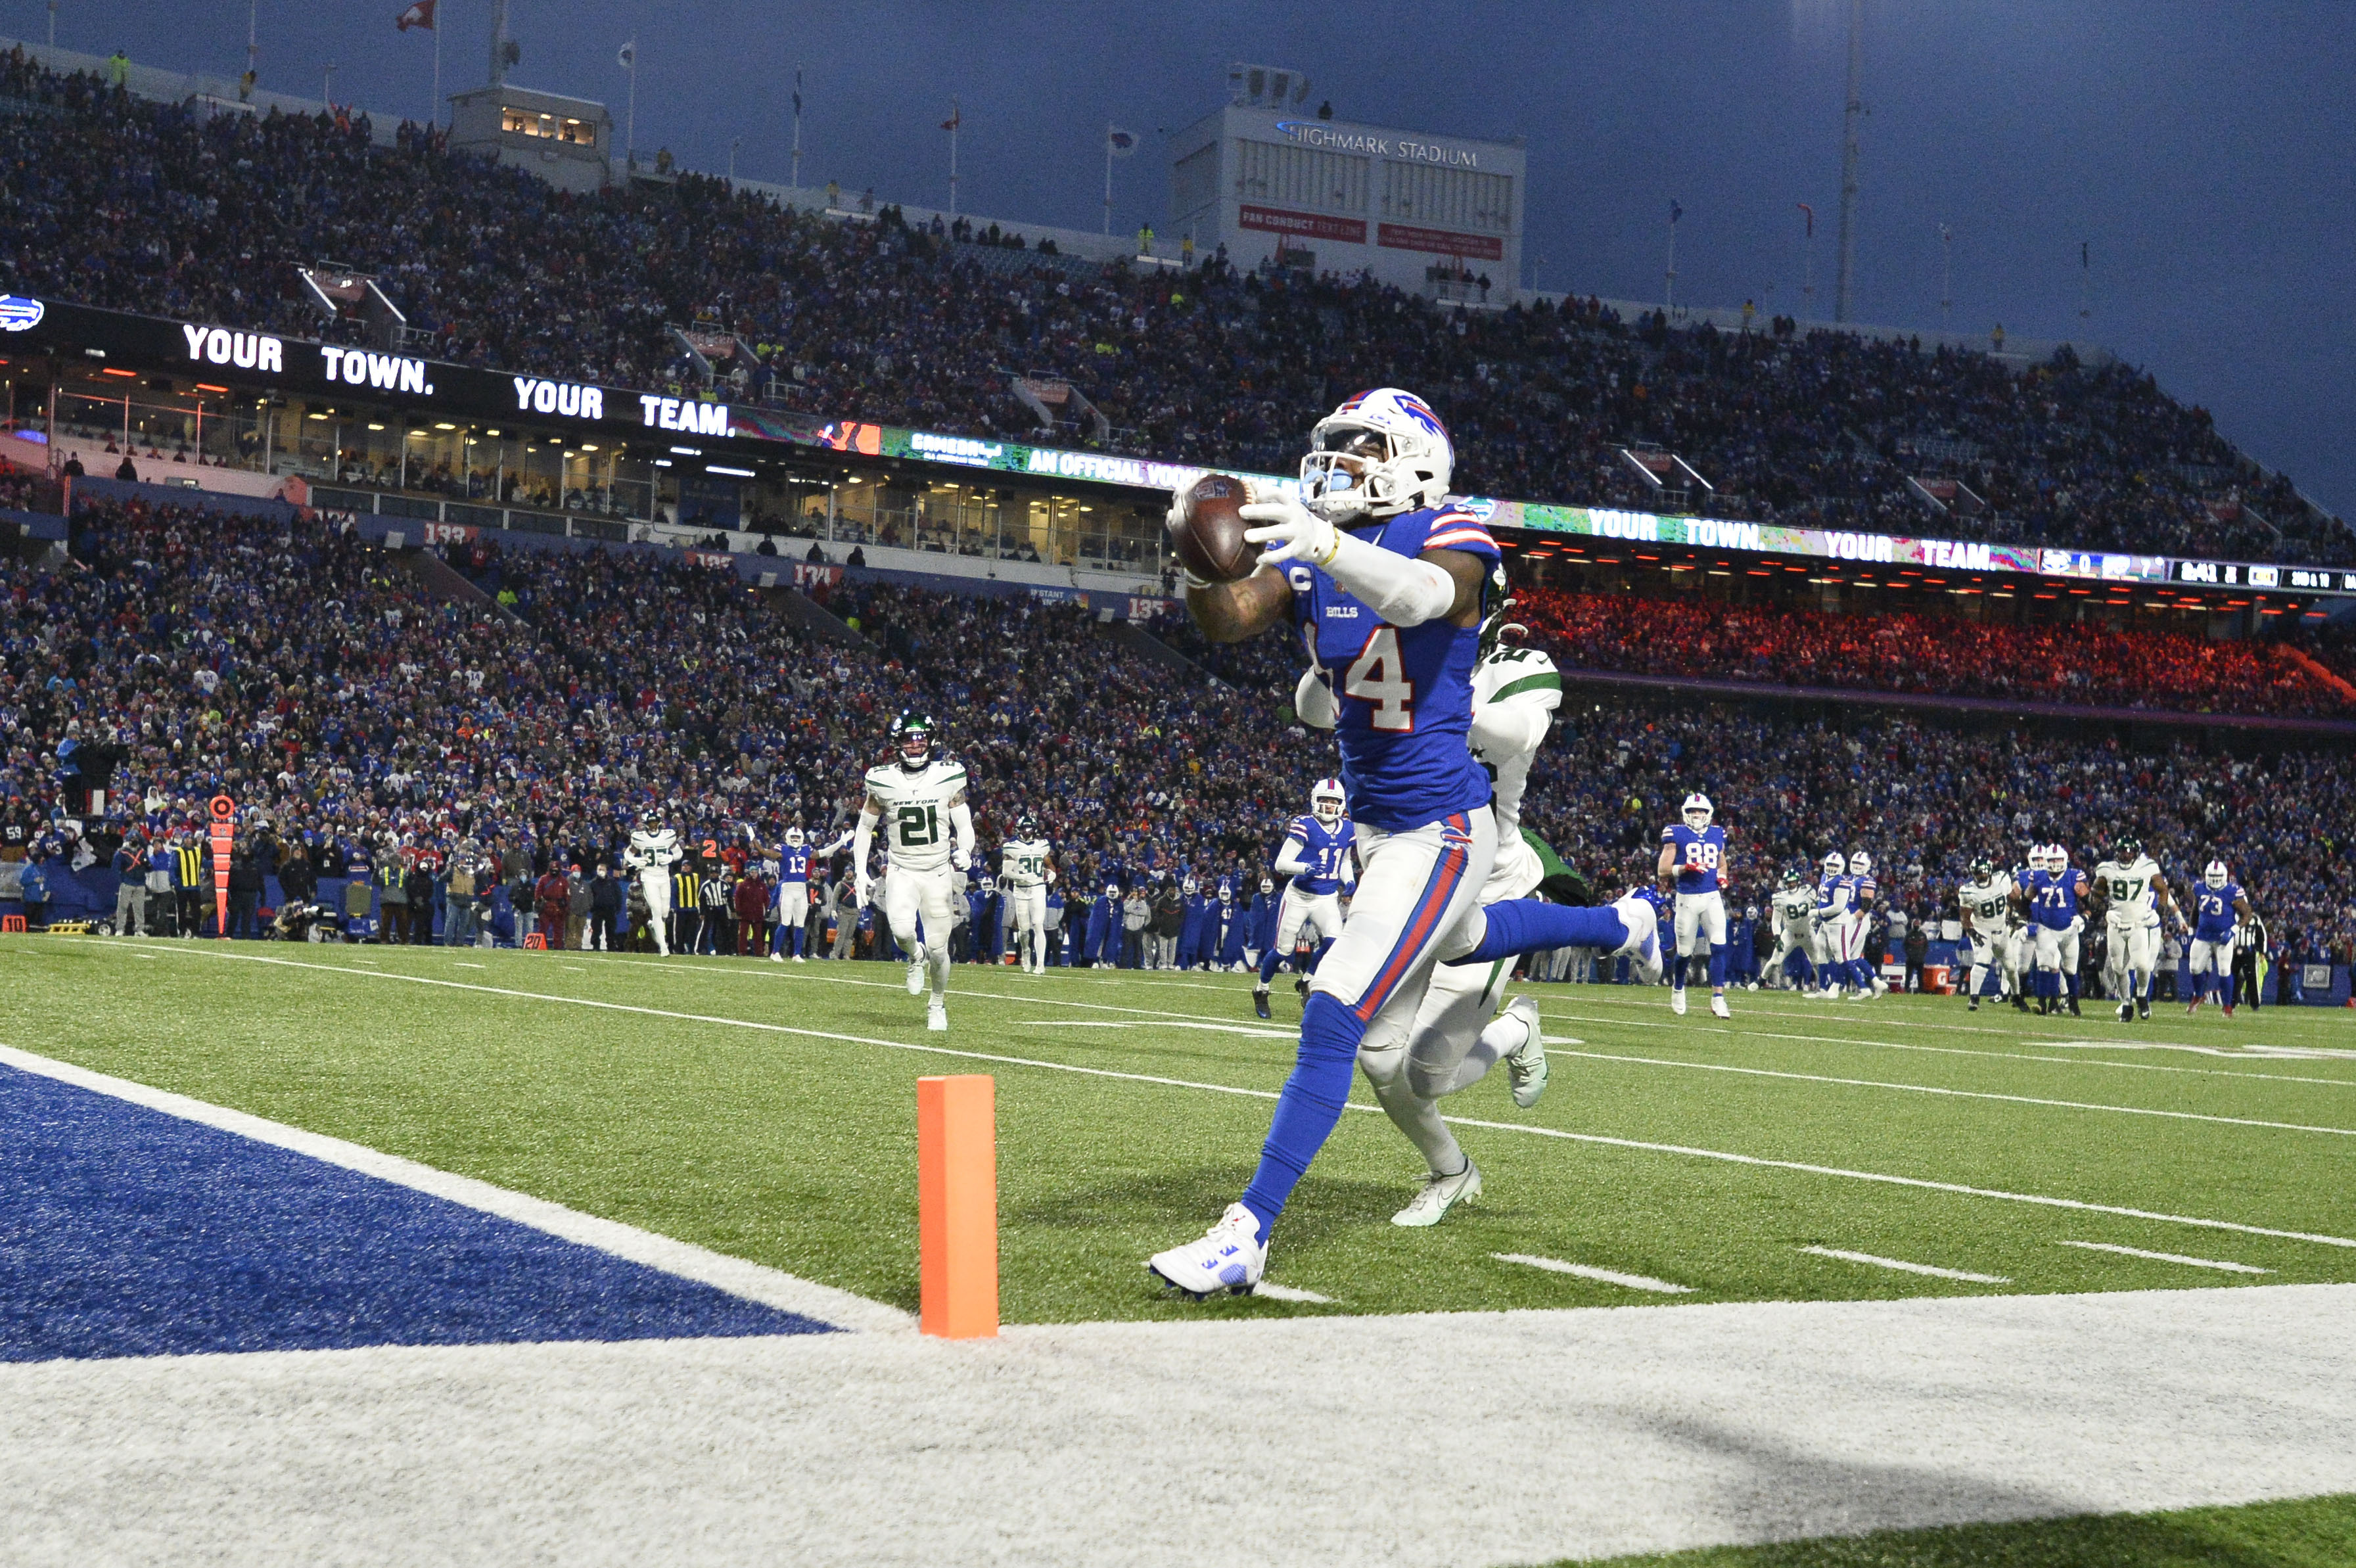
pixel 1703 1028
pixel 1962 1093
pixel 753 1282
pixel 1589 1272
pixel 2169 1257
pixel 1599 1140
pixel 1903 1267
pixel 1275 1292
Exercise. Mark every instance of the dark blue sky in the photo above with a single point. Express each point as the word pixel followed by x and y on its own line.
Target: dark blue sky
pixel 2202 150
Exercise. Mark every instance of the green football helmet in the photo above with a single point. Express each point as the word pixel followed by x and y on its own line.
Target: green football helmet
pixel 913 736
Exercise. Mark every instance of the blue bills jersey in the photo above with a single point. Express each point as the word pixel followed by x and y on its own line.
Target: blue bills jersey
pixel 1833 896
pixel 793 865
pixel 2053 897
pixel 1323 850
pixel 1404 695
pixel 2213 917
pixel 1861 889
pixel 1699 857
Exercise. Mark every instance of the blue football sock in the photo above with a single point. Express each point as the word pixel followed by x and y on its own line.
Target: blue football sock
pixel 1718 966
pixel 1533 925
pixel 1317 955
pixel 1312 1103
pixel 1268 962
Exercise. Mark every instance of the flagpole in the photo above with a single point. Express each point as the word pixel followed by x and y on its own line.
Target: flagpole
pixel 434 120
pixel 798 127
pixel 1670 282
pixel 1108 213
pixel 632 135
pixel 956 119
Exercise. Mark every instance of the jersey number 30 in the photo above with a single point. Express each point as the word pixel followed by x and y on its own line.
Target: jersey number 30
pixel 1377 676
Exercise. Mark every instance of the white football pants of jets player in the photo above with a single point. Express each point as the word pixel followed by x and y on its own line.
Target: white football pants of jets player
pixel 1027 911
pixel 2012 954
pixel 2134 942
pixel 1700 925
pixel 931 895
pixel 1987 952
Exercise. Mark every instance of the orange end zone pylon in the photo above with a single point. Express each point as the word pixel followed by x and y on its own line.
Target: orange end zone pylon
pixel 957 1205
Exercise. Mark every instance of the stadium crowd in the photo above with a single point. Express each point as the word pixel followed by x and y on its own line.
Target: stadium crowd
pixel 156 207
pixel 379 737
pixel 1899 651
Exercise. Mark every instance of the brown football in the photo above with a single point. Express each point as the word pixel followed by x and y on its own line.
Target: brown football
pixel 1208 536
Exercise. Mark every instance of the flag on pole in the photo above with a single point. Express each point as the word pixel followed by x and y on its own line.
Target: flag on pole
pixel 420 14
pixel 957 118
pixel 2083 264
pixel 1812 217
pixel 1120 142
pixel 628 57
pixel 1676 211
pixel 798 89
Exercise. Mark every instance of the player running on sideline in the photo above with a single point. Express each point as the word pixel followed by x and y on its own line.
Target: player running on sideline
pixel 1694 860
pixel 1387 582
pixel 1316 856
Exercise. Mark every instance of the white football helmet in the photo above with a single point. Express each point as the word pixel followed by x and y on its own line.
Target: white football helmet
pixel 2217 875
pixel 1268 883
pixel 793 838
pixel 2057 857
pixel 1325 801
pixel 1189 887
pixel 1379 454
pixel 1860 863
pixel 1836 863
pixel 1697 810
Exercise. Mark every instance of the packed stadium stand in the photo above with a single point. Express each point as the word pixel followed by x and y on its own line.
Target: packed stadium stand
pixel 152 207
pixel 526 705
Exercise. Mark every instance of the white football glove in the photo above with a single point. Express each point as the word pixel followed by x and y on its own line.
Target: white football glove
pixel 1291 531
pixel 959 861
pixel 864 890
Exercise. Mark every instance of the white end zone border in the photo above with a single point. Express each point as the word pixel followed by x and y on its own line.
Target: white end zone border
pixel 753 1282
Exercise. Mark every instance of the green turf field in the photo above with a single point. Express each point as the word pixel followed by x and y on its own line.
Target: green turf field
pixel 768 1110
pixel 2314 1532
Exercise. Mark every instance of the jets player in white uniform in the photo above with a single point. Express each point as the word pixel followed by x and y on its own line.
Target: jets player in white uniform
pixel 1986 903
pixel 920 798
pixel 652 852
pixel 1693 857
pixel 1025 867
pixel 1317 854
pixel 2133 894
pixel 1794 911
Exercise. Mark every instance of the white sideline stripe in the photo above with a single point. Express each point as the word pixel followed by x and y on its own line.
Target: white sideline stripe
pixel 2170 1257
pixel 1966 1093
pixel 1600 1140
pixel 1589 1272
pixel 1966 1051
pixel 738 1277
pixel 1158 1023
pixel 1287 1293
pixel 1904 1267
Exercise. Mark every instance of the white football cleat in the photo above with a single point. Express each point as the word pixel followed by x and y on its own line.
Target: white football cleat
pixel 777 958
pixel 1440 1193
pixel 1717 1007
pixel 1526 1070
pixel 1880 986
pixel 937 1019
pixel 800 958
pixel 1677 1000
pixel 1227 1258
pixel 916 973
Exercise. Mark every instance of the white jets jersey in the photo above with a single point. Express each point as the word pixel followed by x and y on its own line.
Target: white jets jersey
pixel 1987 905
pixel 658 850
pixel 1794 908
pixel 1023 862
pixel 2132 889
pixel 915 816
pixel 1513 690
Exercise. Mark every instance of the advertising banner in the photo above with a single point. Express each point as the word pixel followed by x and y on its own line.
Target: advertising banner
pixel 1303 225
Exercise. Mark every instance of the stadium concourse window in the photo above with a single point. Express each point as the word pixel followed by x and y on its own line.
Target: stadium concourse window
pixel 997 523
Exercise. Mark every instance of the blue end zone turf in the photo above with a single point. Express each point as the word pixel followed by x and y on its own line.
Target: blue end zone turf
pixel 124 1232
